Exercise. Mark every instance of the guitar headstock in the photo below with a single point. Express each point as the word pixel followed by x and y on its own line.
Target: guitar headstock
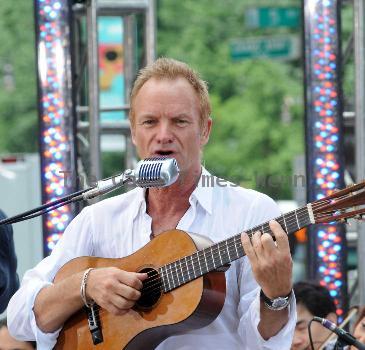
pixel 341 205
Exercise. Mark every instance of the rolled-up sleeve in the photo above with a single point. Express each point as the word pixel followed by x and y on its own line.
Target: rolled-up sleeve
pixel 262 210
pixel 249 312
pixel 76 241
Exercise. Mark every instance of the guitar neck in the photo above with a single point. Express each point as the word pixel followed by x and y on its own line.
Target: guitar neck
pixel 222 253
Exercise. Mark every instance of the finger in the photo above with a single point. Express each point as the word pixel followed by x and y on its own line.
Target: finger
pixel 281 237
pixel 257 244
pixel 248 248
pixel 141 276
pixel 122 303
pixel 131 279
pixel 126 292
pixel 268 243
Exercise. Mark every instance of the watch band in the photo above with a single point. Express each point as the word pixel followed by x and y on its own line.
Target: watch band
pixel 276 304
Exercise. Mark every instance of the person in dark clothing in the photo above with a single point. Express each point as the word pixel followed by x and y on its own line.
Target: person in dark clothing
pixel 9 281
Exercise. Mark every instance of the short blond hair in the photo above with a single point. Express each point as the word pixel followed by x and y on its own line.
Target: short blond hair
pixel 168 68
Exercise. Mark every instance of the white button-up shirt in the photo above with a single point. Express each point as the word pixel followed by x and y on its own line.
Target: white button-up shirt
pixel 119 226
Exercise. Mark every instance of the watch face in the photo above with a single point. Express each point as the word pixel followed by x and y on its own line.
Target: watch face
pixel 279 302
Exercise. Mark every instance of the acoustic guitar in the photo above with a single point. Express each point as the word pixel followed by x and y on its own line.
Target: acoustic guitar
pixel 185 288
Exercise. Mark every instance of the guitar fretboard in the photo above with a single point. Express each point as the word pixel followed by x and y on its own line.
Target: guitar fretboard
pixel 219 254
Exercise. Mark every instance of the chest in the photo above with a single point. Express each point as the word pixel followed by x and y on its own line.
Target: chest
pixel 165 223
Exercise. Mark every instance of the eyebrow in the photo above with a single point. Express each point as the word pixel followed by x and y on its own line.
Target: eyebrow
pixel 181 115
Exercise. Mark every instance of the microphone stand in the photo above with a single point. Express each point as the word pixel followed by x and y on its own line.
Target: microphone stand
pixel 343 338
pixel 150 172
pixel 340 344
pixel 102 187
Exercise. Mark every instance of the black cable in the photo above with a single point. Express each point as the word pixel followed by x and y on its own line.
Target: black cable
pixel 310 334
pixel 28 214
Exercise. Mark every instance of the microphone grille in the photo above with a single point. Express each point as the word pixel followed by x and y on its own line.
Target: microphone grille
pixel 157 172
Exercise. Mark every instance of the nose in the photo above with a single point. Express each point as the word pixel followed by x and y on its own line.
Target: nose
pixel 164 134
pixel 297 341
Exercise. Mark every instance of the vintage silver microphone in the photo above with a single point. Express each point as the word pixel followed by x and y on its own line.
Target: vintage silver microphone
pixel 149 172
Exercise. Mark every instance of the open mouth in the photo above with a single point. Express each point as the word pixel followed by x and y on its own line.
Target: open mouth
pixel 164 153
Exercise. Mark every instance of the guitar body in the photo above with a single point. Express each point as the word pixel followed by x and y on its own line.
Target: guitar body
pixel 190 306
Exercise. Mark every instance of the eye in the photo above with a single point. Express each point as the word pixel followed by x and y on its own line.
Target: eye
pixel 181 122
pixel 149 122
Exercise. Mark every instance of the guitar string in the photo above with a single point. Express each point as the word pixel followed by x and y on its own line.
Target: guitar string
pixel 174 270
pixel 169 268
pixel 214 249
pixel 233 239
pixel 263 227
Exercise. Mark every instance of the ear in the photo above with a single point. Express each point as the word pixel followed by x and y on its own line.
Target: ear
pixel 206 132
pixel 133 133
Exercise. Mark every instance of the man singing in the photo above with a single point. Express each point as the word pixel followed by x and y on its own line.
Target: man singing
pixel 169 116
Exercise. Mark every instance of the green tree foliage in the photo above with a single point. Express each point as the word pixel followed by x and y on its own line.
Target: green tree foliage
pixel 257 104
pixel 18 104
pixel 251 144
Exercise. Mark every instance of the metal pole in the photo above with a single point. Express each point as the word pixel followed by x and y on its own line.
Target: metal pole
pixel 93 87
pixel 56 142
pixel 327 248
pixel 150 33
pixel 130 59
pixel 359 43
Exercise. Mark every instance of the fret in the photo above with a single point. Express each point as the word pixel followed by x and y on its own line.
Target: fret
pixel 172 276
pixel 296 217
pixel 201 272
pixel 161 272
pixel 167 277
pixel 176 275
pixel 182 272
pixel 192 264
pixel 211 250
pixel 187 267
pixel 286 227
pixel 235 245
pixel 219 253
pixel 229 257
pixel 241 252
pixel 206 262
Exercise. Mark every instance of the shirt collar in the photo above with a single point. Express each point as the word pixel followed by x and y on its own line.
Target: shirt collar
pixel 140 201
pixel 202 193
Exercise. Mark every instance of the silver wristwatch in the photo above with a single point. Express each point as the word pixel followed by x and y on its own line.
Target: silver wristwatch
pixel 276 304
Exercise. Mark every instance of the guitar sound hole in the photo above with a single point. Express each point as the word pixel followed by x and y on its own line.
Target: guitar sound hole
pixel 151 290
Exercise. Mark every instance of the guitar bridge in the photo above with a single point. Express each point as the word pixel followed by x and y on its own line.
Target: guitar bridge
pixel 94 323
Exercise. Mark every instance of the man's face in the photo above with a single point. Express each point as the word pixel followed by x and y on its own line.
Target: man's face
pixel 167 122
pixel 301 337
pixel 7 342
